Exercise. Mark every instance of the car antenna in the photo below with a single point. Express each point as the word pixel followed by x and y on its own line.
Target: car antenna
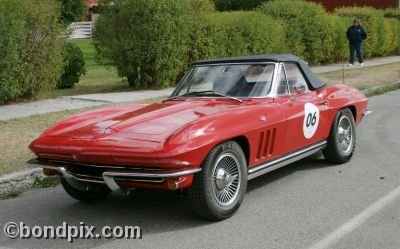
pixel 343 68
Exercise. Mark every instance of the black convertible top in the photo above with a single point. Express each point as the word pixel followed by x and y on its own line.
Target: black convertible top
pixel 315 82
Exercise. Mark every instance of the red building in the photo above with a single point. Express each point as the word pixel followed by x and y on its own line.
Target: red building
pixel 91 3
pixel 379 4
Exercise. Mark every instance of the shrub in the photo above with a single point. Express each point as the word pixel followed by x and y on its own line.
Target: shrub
pixel 309 29
pixel 145 39
pixel 237 33
pixel 30 59
pixel 224 5
pixel 40 48
pixel 341 42
pixel 11 28
pixel 199 7
pixel 373 22
pixel 74 66
pixel 392 31
pixel 392 13
pixel 72 10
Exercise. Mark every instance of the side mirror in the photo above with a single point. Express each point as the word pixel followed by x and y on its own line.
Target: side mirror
pixel 299 89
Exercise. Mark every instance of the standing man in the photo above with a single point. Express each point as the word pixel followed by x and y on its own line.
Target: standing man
pixel 356 34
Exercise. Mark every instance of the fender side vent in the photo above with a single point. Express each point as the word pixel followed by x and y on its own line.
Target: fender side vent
pixel 266 144
pixel 272 146
pixel 260 145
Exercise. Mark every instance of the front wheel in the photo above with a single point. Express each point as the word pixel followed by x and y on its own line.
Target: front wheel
pixel 342 138
pixel 219 189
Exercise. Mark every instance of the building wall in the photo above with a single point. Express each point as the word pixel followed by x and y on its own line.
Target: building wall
pixel 380 4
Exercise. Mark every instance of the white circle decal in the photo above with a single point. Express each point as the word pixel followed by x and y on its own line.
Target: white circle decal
pixel 311 120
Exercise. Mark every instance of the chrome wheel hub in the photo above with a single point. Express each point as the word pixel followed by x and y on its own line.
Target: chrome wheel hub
pixel 223 179
pixel 345 134
pixel 226 179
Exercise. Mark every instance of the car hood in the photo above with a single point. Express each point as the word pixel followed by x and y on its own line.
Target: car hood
pixel 153 122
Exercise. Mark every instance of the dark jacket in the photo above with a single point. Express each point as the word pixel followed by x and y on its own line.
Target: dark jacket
pixel 356 34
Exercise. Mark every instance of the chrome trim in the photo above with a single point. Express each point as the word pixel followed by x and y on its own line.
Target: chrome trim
pixel 112 184
pixel 101 166
pixel 161 180
pixel 367 113
pixel 109 177
pixel 88 176
pixel 67 175
pixel 152 175
pixel 235 63
pixel 285 160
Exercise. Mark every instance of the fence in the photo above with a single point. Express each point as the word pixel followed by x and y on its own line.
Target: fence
pixel 80 30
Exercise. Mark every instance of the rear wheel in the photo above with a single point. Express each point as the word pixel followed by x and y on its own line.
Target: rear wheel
pixel 93 194
pixel 342 138
pixel 219 189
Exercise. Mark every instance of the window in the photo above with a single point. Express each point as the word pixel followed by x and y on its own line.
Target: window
pixel 283 86
pixel 295 77
pixel 236 80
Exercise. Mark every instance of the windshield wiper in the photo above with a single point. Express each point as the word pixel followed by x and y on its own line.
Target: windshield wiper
pixel 207 92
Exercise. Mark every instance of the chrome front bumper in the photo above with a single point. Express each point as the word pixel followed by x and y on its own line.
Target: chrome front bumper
pixel 367 113
pixel 110 178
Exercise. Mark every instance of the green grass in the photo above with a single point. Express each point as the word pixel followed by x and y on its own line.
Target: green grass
pixel 98 78
pixel 10 195
pixel 384 89
pixel 46 182
pixel 39 182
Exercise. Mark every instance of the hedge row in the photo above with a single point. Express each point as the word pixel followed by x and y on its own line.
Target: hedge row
pixel 383 33
pixel 150 42
pixel 235 34
pixel 392 13
pixel 309 29
pixel 31 53
pixel 228 5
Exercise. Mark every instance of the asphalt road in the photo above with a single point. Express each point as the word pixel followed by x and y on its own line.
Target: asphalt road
pixel 309 204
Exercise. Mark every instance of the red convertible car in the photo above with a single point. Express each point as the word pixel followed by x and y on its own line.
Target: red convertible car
pixel 228 121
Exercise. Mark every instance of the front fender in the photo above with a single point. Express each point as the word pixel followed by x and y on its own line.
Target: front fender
pixel 196 139
pixel 342 96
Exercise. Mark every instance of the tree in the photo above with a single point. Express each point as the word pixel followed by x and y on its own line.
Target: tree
pixel 74 65
pixel 30 48
pixel 145 39
pixel 72 10
pixel 224 5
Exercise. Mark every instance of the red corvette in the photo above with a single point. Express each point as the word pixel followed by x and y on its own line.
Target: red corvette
pixel 227 122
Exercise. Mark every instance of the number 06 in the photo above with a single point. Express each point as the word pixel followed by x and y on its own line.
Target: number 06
pixel 311 119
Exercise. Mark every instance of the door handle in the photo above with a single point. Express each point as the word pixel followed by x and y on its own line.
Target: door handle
pixel 325 102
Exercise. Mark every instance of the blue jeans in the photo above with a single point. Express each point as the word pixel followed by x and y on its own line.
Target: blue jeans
pixel 356 47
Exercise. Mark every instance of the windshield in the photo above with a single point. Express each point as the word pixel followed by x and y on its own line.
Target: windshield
pixel 238 80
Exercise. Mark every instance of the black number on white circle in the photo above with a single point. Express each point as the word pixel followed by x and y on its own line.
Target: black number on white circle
pixel 311 119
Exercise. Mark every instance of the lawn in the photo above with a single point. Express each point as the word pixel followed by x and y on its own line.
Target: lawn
pixel 16 135
pixel 365 77
pixel 98 79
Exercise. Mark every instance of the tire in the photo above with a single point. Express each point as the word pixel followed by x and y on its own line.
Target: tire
pixel 342 138
pixel 219 188
pixel 100 193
